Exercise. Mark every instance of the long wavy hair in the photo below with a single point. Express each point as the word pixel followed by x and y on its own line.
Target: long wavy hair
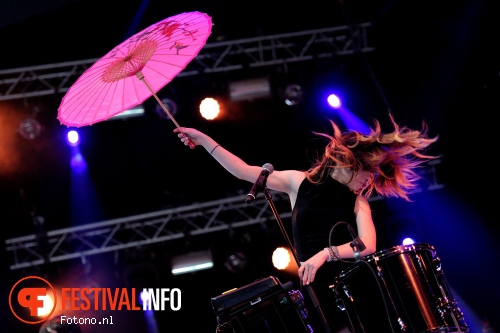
pixel 391 157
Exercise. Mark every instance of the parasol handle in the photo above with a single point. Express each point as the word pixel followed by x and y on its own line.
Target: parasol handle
pixel 141 77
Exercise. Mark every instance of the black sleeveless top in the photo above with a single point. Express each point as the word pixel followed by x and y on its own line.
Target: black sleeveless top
pixel 317 209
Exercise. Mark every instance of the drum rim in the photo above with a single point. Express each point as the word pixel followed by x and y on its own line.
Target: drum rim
pixel 401 249
pixel 398 249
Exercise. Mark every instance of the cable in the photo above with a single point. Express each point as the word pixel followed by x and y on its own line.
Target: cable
pixel 371 270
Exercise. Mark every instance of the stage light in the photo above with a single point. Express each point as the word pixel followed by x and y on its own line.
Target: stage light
pixel 133 112
pixel 236 262
pixel 293 94
pixel 192 262
pixel 170 105
pixel 73 138
pixel 281 258
pixel 408 241
pixel 249 90
pixel 209 108
pixel 334 101
pixel 144 297
pixel 30 128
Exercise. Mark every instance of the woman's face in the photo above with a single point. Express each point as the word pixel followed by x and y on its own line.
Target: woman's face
pixel 361 180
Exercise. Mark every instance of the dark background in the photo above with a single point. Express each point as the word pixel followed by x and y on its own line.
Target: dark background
pixel 434 62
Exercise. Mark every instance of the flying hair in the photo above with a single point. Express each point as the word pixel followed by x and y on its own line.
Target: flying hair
pixel 391 156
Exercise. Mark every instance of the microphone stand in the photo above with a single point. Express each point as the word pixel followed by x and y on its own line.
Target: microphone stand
pixel 309 288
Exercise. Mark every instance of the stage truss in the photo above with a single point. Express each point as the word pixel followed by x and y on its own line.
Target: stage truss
pixel 161 226
pixel 217 57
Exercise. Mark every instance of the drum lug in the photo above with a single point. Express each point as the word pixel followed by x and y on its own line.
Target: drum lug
pixel 346 292
pixel 402 325
pixel 457 312
pixel 379 269
pixel 447 307
pixel 437 264
pixel 340 304
pixel 443 304
pixel 339 301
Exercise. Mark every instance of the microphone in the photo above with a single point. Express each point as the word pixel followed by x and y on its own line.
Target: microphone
pixel 356 244
pixel 259 185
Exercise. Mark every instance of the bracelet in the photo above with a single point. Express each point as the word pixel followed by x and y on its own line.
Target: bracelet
pixel 330 258
pixel 333 253
pixel 218 145
pixel 336 253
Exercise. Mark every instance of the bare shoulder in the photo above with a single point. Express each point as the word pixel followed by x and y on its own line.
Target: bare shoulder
pixel 296 178
pixel 286 180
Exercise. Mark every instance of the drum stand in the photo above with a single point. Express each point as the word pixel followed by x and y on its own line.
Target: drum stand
pixel 309 288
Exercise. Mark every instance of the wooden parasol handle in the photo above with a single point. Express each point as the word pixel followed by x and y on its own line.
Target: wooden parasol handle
pixel 141 77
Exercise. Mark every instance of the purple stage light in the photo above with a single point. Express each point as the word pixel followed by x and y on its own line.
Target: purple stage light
pixel 334 101
pixel 73 138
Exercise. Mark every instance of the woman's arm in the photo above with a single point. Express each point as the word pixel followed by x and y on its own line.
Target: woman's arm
pixel 366 227
pixel 283 181
pixel 366 232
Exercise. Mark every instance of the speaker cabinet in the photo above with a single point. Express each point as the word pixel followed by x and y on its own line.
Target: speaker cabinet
pixel 265 306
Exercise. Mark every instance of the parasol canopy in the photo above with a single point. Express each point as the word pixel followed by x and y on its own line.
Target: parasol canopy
pixel 135 70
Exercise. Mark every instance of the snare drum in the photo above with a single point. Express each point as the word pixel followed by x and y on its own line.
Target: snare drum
pixel 402 289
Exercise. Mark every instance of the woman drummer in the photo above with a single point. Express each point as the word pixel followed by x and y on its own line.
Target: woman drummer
pixel 335 189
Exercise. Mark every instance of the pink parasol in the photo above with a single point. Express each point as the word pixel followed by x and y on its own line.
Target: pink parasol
pixel 135 70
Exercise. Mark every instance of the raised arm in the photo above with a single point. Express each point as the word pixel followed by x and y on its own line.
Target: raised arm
pixel 283 181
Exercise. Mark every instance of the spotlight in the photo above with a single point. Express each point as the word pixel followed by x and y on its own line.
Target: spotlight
pixel 293 94
pixel 144 297
pixel 170 105
pixel 334 101
pixel 236 262
pixel 30 128
pixel 209 108
pixel 281 258
pixel 73 138
pixel 408 241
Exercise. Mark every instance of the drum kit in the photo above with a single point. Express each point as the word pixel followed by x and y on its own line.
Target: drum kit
pixel 401 289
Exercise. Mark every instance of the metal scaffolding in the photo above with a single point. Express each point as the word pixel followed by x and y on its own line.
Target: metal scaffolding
pixel 214 57
pixel 161 226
